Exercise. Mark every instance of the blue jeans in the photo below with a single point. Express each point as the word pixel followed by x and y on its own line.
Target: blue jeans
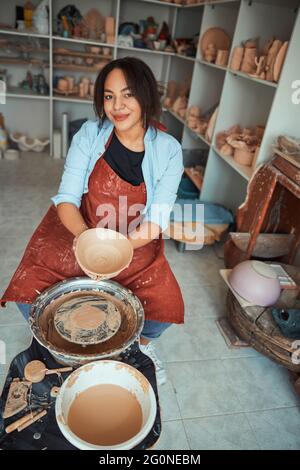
pixel 152 329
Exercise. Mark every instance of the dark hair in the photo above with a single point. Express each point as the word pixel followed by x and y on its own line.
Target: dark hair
pixel 139 77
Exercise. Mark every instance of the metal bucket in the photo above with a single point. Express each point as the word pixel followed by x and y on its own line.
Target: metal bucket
pixel 79 284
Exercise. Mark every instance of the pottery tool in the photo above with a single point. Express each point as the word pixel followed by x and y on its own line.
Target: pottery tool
pixel 87 320
pixel 25 421
pixel 54 392
pixel 16 398
pixel 35 371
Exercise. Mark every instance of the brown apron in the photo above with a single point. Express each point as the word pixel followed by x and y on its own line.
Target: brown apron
pixel 49 257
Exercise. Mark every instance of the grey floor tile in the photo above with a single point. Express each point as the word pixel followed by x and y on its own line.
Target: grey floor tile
pixel 203 389
pixel 277 429
pixel 11 315
pixel 204 301
pixel 172 437
pixel 229 432
pixel 260 383
pixel 197 339
pixel 169 408
pixel 16 339
pixel 20 228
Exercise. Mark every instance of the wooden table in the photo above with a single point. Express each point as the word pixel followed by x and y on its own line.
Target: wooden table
pixel 272 206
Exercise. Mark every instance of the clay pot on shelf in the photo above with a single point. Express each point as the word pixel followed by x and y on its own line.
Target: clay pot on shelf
pixel 243 156
pixel 63 84
pixel 210 53
pixel 86 83
pixel 182 112
pixel 222 58
pixel 202 127
pixel 260 63
pixel 194 111
pixel 179 103
pixel 91 89
pixel 167 103
pixel 248 63
pixel 236 59
pixel 81 90
pixel 273 51
pixel 227 150
pixel 71 82
pixel 192 122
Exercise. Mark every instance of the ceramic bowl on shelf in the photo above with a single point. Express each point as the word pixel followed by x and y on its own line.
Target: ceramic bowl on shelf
pixel 256 282
pixel 26 143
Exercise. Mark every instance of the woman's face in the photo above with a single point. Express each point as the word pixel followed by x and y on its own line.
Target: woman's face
pixel 120 106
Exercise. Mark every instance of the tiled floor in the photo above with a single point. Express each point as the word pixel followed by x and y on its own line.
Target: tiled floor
pixel 215 397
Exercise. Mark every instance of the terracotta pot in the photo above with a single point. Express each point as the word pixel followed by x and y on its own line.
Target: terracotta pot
pixel 222 58
pixel 194 111
pixel 192 122
pixel 71 82
pixel 86 83
pixel 243 157
pixel 248 63
pixel 63 84
pixel 227 150
pixel 237 58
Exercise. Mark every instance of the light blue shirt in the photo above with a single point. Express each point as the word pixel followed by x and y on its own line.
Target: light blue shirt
pixel 162 168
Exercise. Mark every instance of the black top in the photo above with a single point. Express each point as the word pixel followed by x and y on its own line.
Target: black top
pixel 126 163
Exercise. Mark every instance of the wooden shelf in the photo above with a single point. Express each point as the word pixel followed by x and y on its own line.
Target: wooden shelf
pixel 72 99
pixel 195 177
pixel 257 80
pixel 245 171
pixel 77 68
pixel 199 136
pixel 17 92
pixel 15 60
pixel 23 33
pixel 193 5
pixel 92 42
pixel 181 56
pixel 157 2
pixel 81 54
pixel 209 64
pixel 176 116
pixel 151 51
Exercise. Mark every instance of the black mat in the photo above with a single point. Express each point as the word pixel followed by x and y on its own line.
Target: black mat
pixel 45 434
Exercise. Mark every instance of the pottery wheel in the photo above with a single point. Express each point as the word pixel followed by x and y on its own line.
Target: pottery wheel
pixel 87 320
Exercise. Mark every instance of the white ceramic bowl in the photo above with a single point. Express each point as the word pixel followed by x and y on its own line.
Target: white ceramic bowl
pixel 103 253
pixel 106 372
pixel 25 143
pixel 255 282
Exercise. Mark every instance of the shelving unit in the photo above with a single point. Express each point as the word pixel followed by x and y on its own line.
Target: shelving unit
pixel 242 99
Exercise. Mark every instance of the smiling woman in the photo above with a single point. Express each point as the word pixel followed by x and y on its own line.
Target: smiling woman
pixel 124 162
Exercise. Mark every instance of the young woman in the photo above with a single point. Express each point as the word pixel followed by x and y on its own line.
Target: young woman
pixel 122 160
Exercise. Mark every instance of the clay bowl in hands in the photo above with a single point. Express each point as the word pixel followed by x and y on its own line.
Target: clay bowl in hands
pixel 103 253
pixel 255 282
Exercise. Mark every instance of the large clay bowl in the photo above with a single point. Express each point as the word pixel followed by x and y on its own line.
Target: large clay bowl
pixel 255 282
pixel 107 373
pixel 103 253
